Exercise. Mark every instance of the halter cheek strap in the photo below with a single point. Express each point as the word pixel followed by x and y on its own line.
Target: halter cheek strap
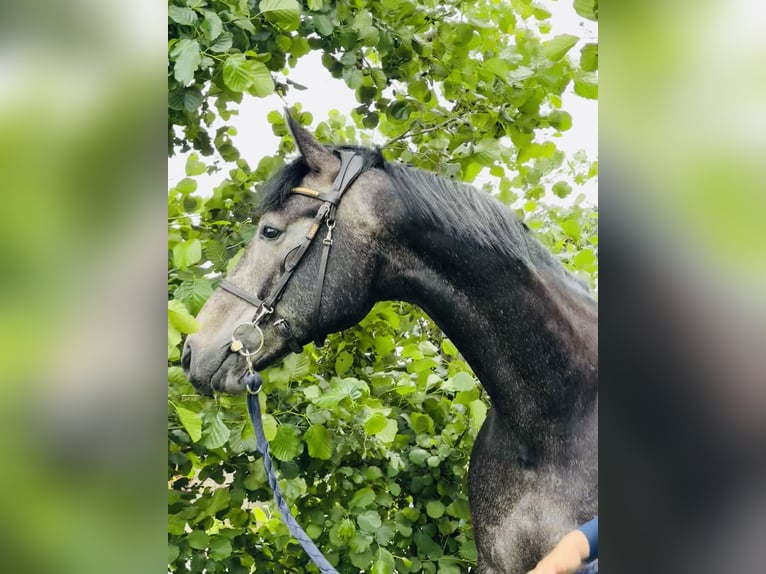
pixel 351 167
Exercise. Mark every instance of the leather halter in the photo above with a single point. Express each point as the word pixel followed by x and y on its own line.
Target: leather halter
pixel 351 166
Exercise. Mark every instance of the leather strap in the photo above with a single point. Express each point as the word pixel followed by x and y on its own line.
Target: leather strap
pixel 241 293
pixel 351 167
pixel 326 245
pixel 279 288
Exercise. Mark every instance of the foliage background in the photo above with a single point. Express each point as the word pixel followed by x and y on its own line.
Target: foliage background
pixel 373 432
pixel 84 88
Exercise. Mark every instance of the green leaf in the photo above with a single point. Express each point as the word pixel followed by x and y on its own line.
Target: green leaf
pixel 498 66
pixel 375 423
pixel 240 74
pixel 421 423
pixel 191 421
pixel 176 525
pixel 557 48
pixel 586 85
pixel 361 560
pixel 589 57
pixel 330 399
pixel 315 5
pixel 187 61
pixel 220 548
pixel 560 120
pixel 426 545
pixel 323 25
pixel 362 498
pixel 449 348
pixel 584 258
pixel 460 382
pixel 173 552
pixel 345 532
pixel 218 501
pixel 369 521
pixel 468 550
pixel 194 292
pixel 435 509
pixel 399 110
pixel 418 455
pixel 353 77
pixel 572 228
pixel 194 166
pixel 269 426
pixel 212 25
pixel 187 253
pixel 319 442
pixel 448 566
pixel 284 14
pixel 314 531
pixel 223 43
pixel 174 338
pixel 188 99
pixel 293 368
pixel 287 443
pixel 340 389
pixel 263 83
pixel 384 562
pixel 343 362
pixel 237 74
pixel 487 150
pixel 478 413
pixel 242 438
pixel 587 9
pixel 180 318
pixel 216 433
pixel 388 434
pixel 186 186
pixel 183 16
pixel 176 376
pixel 198 539
pixel 562 189
pixel 385 534
pixel 459 509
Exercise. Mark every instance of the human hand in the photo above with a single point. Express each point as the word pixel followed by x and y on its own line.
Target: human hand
pixel 566 558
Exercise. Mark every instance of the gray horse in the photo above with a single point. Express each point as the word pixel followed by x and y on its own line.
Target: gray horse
pixel 526 326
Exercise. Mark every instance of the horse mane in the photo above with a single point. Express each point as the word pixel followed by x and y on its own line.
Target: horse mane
pixel 439 203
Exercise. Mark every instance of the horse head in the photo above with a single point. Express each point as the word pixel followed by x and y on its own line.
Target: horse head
pixel 281 294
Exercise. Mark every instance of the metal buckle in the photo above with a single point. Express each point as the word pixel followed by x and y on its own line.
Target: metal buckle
pixel 261 313
pixel 330 226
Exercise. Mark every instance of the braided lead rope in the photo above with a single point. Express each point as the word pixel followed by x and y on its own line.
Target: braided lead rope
pixel 253 381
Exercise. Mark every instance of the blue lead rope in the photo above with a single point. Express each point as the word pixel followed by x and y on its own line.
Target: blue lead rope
pixel 254 382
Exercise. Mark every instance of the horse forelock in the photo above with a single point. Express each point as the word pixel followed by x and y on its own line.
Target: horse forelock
pixel 277 189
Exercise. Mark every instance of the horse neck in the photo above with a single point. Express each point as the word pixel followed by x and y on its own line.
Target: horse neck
pixel 525 327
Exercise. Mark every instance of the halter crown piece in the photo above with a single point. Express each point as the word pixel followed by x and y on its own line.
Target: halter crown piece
pixel 351 166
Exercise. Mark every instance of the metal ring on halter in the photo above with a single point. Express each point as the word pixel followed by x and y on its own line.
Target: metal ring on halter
pixel 253 383
pixel 244 350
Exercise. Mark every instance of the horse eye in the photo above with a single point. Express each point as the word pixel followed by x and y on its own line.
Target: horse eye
pixel 270 232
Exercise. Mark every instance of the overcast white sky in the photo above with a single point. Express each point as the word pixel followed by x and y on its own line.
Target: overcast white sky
pixel 255 139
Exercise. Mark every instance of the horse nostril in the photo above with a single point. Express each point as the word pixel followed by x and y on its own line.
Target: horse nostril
pixel 186 356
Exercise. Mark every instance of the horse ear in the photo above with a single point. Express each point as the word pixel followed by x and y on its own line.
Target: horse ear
pixel 317 156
